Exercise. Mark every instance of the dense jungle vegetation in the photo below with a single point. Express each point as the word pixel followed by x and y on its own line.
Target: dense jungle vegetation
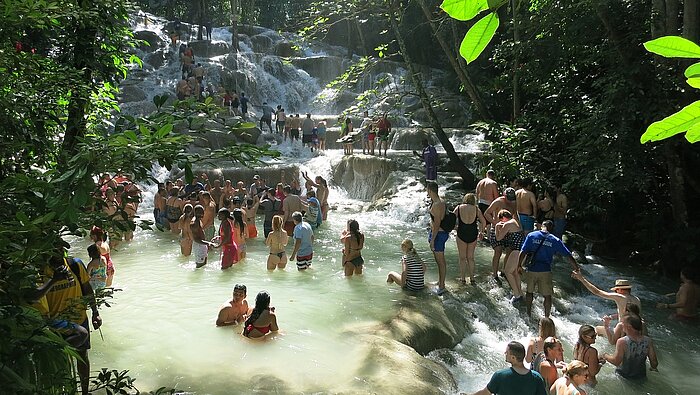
pixel 563 92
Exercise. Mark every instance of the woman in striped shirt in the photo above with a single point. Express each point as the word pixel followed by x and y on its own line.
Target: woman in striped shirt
pixel 412 276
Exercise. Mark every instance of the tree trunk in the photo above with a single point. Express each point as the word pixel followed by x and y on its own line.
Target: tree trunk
pixel 672 8
pixel 83 52
pixel 200 18
pixel 516 61
pixel 350 41
pixel 468 178
pixel 691 17
pixel 235 5
pixel 361 35
pixel 461 72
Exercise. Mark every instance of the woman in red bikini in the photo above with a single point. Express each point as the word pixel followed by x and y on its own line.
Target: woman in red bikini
pixel 262 320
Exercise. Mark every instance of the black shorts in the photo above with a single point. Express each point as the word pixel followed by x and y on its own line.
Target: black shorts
pixel 306 139
pixel 294 133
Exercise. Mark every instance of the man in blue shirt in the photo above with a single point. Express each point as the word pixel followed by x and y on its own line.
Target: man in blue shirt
pixel 516 380
pixel 543 245
pixel 303 237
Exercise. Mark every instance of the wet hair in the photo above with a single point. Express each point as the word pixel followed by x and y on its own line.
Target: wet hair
pixel 262 303
pixel 98 233
pixel 297 216
pixel 547 328
pixel 469 198
pixel 277 222
pixel 517 350
pixel 187 208
pixel 550 343
pixel 354 228
pixel 206 195
pixel 491 173
pixel 574 368
pixel 93 251
pixel 310 193
pixel 408 243
pixel 225 212
pixel 240 287
pixel 287 188
pixel 173 192
pixel 584 330
pixel 238 219
pixel 504 214
pixel 432 186
pixel 549 225
pixel 633 309
pixel 634 321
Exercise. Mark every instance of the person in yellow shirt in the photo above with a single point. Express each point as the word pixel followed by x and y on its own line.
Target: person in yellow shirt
pixel 62 299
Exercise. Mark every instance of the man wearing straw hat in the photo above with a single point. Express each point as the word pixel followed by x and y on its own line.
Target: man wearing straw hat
pixel 621 295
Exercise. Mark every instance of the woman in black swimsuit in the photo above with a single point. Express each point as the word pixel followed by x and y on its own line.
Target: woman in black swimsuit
pixel 586 353
pixel 353 240
pixel 467 233
pixel 545 205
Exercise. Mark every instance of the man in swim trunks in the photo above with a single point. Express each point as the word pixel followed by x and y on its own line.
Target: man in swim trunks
pixel 303 239
pixel 235 311
pixel 687 297
pixel 526 203
pixel 505 202
pixel 383 132
pixel 200 245
pixel 487 191
pixel 209 213
pixel 621 295
pixel 438 236
pixel 543 245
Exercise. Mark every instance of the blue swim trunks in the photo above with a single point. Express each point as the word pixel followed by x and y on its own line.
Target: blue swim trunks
pixel 527 222
pixel 440 240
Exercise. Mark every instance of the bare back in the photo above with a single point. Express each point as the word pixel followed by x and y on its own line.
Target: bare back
pixel 525 202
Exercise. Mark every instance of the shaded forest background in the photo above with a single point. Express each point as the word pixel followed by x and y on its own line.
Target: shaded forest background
pixel 565 90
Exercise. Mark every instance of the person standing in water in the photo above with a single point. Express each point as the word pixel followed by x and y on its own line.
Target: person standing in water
pixel 96 268
pixel 353 241
pixel 303 242
pixel 199 243
pixel 97 235
pixel 507 202
pixel 487 190
pixel 184 224
pixel 585 352
pixel 277 240
pixel 543 245
pixel 437 237
pixel 621 295
pixel 262 319
pixel 576 374
pixel 467 233
pixel 516 380
pixel 235 310
pixel 687 298
pixel 633 350
pixel 229 248
pixel 412 276
pixel 546 329
pixel 526 202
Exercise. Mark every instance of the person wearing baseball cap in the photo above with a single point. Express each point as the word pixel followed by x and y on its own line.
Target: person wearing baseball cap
pixel 621 294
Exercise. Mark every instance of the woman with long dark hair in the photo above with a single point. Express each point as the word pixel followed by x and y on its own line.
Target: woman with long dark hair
pixel 262 319
pixel 353 240
pixel 239 232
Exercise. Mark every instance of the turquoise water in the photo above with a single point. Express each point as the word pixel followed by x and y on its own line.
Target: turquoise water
pixel 161 323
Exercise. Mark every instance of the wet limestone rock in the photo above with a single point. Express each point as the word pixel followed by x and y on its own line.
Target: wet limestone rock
pixel 362 175
pixel 285 49
pixel 208 49
pixel 325 68
pixel 411 139
pixel 390 365
pixel 131 93
pixel 152 38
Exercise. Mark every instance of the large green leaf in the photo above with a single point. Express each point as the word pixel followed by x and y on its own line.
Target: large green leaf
pixel 478 37
pixel 683 120
pixel 673 47
pixel 464 10
pixel 694 81
pixel 692 71
pixel 693 134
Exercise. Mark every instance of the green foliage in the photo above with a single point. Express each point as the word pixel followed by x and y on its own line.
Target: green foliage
pixel 464 10
pixel 687 119
pixel 478 37
pixel 673 47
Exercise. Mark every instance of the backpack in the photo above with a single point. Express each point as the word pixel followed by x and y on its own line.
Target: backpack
pixel 448 221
